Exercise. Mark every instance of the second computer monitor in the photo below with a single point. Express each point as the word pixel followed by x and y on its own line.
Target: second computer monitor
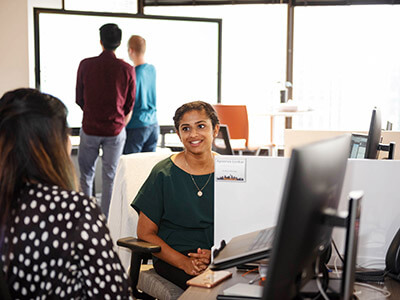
pixel 374 135
pixel 313 186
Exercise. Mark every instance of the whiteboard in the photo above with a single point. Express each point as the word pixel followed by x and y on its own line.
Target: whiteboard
pixel 185 53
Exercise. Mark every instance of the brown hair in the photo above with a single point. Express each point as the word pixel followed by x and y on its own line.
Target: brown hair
pixel 199 106
pixel 137 44
pixel 33 145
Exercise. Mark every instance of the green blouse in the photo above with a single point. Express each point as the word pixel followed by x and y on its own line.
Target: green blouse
pixel 169 198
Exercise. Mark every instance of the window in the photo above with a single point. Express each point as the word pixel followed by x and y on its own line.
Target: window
pixel 253 56
pixel 346 62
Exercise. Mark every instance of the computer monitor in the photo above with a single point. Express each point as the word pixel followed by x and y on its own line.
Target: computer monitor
pixel 374 135
pixel 358 145
pixel 313 186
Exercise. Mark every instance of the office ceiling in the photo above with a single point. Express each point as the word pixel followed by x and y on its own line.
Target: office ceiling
pixel 294 2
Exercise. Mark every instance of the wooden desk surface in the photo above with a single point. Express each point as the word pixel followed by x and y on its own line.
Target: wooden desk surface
pixel 361 292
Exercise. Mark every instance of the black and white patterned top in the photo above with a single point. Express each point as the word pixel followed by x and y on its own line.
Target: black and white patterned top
pixel 58 246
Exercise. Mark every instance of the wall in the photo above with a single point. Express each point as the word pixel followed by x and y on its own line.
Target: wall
pixel 14 45
pixel 17 46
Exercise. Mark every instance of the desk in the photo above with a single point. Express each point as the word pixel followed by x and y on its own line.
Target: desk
pixel 362 292
pixel 288 121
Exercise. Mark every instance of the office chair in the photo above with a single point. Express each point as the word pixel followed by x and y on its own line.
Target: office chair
pixel 132 171
pixel 221 143
pixel 236 118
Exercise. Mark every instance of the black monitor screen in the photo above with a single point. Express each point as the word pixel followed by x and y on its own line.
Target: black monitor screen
pixel 374 135
pixel 313 185
pixel 358 145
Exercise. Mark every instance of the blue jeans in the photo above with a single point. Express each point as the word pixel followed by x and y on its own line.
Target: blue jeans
pixel 142 139
pixel 87 157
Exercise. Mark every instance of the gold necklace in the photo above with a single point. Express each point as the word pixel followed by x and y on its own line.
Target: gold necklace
pixel 199 190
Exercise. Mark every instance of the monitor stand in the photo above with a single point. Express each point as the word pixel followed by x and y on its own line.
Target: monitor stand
pixel 342 289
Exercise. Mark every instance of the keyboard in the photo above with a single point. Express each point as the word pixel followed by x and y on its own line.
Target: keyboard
pixel 264 239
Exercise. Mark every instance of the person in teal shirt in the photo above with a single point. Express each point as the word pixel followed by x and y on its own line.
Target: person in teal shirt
pixel 176 202
pixel 142 131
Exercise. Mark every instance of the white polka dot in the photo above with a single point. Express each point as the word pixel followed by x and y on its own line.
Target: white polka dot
pixel 55 244
pixel 69 225
pixel 92 251
pixel 33 204
pixel 36 255
pixel 72 205
pixel 113 288
pixel 65 246
pixel 46 250
pixel 35 219
pixel 21 258
pixel 43 208
pixel 47 197
pixel 32 235
pixel 63 235
pixel 23 236
pixel 104 254
pixel 52 206
pixel 24 291
pixel 52 218
pixel 23 206
pixel 27 262
pixel 45 236
pixel 36 243
pixel 95 228
pixel 39 194
pixel 57 198
pixel 95 242
pixel 42 224
pixel 77 214
pixel 60 217
pixel 27 249
pixel 56 230
pixel 86 257
pixel 84 235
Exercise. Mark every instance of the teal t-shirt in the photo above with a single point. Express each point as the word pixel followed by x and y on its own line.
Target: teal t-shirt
pixel 169 198
pixel 145 108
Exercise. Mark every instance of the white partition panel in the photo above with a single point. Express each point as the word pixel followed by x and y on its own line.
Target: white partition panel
pixel 242 207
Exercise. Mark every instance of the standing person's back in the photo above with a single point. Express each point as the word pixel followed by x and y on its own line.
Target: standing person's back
pixel 142 130
pixel 105 90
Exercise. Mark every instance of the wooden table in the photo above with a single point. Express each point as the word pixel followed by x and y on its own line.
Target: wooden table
pixel 361 292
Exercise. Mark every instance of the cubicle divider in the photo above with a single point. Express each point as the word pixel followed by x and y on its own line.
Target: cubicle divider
pixel 252 201
pixel 295 138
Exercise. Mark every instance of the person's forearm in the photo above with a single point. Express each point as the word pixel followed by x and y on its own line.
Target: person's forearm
pixel 128 118
pixel 167 253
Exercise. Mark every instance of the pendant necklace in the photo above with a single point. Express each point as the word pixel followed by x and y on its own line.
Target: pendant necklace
pixel 199 190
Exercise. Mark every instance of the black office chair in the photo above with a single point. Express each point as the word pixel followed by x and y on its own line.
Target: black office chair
pixel 221 143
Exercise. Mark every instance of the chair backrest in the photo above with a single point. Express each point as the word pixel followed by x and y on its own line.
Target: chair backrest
pixel 132 171
pixel 221 143
pixel 235 116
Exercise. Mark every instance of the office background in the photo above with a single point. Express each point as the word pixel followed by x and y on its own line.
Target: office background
pixel 344 59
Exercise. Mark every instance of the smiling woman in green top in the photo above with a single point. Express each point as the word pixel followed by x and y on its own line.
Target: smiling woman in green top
pixel 176 203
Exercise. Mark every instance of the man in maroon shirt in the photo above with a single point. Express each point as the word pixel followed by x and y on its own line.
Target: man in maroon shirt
pixel 105 90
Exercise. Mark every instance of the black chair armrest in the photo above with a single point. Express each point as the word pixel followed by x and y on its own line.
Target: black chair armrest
pixel 140 252
pixel 138 246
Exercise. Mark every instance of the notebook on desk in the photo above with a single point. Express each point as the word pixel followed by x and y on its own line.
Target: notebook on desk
pixel 245 248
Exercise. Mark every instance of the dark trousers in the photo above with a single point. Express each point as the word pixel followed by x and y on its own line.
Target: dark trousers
pixel 173 274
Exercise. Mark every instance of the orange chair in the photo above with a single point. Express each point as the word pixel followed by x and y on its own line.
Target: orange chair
pixel 235 116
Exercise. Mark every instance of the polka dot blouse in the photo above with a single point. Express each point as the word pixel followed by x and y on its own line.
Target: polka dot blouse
pixel 58 247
